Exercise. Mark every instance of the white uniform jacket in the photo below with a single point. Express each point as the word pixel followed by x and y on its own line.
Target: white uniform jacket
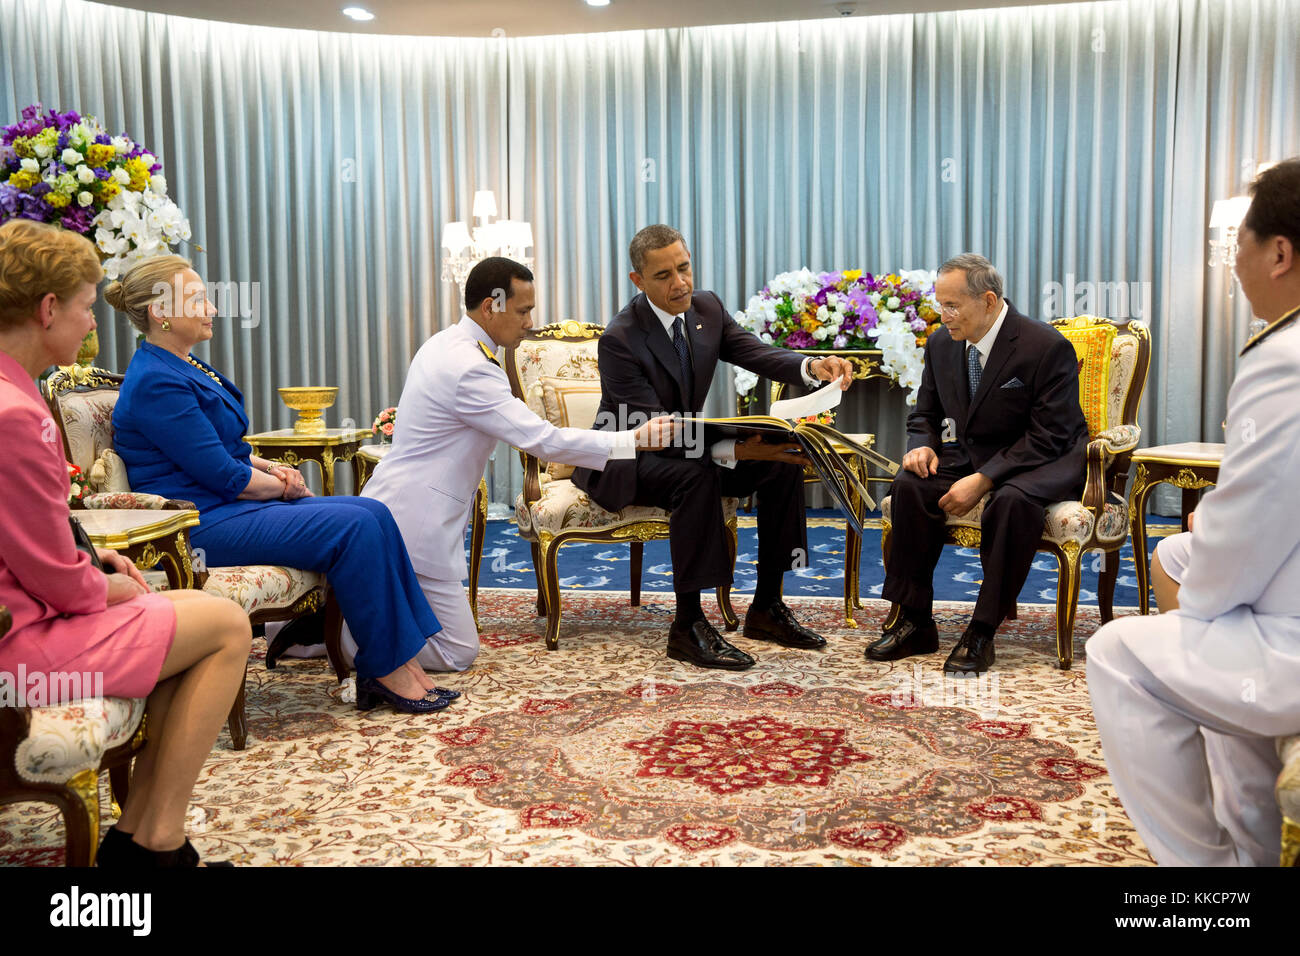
pixel 455 406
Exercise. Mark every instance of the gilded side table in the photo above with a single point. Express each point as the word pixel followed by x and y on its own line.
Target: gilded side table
pixel 1190 466
pixel 147 538
pixel 287 447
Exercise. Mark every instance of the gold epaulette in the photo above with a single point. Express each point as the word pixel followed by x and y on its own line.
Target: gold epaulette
pixel 491 356
pixel 1269 329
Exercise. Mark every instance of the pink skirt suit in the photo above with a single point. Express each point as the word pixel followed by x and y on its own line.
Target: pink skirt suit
pixel 58 599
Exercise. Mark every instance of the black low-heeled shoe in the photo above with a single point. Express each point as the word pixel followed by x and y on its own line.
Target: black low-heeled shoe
pixel 444 693
pixel 371 693
pixel 308 631
pixel 114 847
pixel 126 854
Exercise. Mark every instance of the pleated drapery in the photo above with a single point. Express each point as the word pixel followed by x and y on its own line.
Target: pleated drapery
pixel 1078 146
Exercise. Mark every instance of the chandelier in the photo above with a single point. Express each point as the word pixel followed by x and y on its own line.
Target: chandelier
pixel 465 249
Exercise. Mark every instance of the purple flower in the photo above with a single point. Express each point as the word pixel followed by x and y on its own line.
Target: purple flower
pixel 918 325
pixel 911 313
pixel 10 200
pixel 103 139
pixel 32 112
pixel 799 339
pixel 35 208
pixel 9 159
pixel 841 341
pixel 63 141
pixel 65 120
pixel 102 172
pixel 78 219
pixel 40 189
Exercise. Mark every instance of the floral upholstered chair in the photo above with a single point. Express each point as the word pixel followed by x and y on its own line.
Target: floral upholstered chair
pixel 55 754
pixel 81 401
pixel 1113 362
pixel 553 370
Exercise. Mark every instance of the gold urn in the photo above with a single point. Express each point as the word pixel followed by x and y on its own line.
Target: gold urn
pixel 310 402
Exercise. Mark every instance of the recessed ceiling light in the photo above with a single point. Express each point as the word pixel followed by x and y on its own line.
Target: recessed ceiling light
pixel 597 3
pixel 358 13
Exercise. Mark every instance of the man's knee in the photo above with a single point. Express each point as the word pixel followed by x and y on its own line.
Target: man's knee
pixel 1008 502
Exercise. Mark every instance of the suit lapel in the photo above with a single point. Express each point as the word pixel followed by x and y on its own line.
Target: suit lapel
pixel 1003 349
pixel 660 346
pixel 224 388
pixel 960 381
pixel 704 349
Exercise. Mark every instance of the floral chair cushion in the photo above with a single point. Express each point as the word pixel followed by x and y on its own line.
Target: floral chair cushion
pixel 262 587
pixel 108 473
pixel 536 359
pixel 109 501
pixel 88 424
pixel 569 403
pixel 563 506
pixel 64 740
pixel 1093 340
pixel 1062 521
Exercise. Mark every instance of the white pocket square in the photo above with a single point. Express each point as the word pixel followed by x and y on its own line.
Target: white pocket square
pixel 1014 383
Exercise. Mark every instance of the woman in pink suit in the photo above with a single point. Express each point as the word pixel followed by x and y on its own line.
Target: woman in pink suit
pixel 184 650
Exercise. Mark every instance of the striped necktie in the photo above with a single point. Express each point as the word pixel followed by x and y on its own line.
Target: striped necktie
pixel 683 357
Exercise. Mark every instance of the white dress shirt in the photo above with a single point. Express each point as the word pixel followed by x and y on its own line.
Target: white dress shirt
pixel 723 452
pixel 985 345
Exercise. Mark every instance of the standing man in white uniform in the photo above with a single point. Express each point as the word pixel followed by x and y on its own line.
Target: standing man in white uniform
pixel 455 406
pixel 1189 703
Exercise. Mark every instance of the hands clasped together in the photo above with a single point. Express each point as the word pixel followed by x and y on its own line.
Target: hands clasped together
pixel 294 485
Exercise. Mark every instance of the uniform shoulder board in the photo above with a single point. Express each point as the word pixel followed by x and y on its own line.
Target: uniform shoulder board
pixel 491 357
pixel 1268 330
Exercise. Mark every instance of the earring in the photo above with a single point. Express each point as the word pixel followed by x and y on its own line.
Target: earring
pixel 166 326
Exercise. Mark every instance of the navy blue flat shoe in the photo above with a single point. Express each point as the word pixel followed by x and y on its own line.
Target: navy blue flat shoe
pixel 444 693
pixel 371 693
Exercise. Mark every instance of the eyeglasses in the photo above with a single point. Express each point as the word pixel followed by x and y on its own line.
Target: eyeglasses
pixel 950 310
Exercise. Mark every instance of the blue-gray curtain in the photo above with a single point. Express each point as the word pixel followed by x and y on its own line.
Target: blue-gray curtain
pixel 1078 143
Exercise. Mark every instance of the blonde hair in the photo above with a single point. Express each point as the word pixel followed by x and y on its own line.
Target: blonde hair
pixel 36 259
pixel 139 288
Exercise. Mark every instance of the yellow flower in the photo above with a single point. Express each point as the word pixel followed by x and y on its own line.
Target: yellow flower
pixel 23 147
pixel 139 174
pixel 108 189
pixel 24 180
pixel 99 154
pixel 809 323
pixel 57 200
pixel 852 275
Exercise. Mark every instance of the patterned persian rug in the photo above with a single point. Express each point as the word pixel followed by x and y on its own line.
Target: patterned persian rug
pixel 607 753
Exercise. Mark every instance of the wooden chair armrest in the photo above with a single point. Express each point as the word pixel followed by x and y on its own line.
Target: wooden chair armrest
pixel 532 478
pixel 1094 488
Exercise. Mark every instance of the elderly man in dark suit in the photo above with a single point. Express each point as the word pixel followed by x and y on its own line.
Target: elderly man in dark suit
pixel 659 355
pixel 998 414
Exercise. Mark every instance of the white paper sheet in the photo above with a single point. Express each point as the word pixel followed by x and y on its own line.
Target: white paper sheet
pixel 822 400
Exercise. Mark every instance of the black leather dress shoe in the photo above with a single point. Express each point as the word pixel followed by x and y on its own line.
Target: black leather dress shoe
pixel 305 631
pixel 700 644
pixel 776 623
pixel 972 655
pixel 904 640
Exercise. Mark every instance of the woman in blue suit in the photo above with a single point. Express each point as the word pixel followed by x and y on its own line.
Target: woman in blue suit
pixel 179 426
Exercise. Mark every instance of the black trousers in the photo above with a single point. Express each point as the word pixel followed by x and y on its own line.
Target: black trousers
pixel 1010 530
pixel 693 489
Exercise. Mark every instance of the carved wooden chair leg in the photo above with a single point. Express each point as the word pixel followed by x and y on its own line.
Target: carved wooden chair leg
pixel 1067 602
pixel 238 720
pixel 334 637
pixel 551 572
pixel 1106 585
pixel 537 573
pixel 634 581
pixel 78 801
pixel 730 621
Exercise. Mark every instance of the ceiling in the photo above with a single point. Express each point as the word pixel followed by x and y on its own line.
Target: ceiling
pixel 534 17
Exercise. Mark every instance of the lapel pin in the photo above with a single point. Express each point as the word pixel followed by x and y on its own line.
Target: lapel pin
pixel 698 327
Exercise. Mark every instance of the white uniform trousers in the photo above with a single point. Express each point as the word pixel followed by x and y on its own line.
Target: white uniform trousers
pixel 455 647
pixel 1191 749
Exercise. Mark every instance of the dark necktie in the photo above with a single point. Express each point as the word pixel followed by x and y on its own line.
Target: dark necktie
pixel 683 357
pixel 973 369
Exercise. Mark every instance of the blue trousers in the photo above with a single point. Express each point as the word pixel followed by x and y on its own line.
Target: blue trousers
pixel 356 544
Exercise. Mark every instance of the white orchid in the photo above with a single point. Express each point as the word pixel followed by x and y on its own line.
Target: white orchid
pixel 746 381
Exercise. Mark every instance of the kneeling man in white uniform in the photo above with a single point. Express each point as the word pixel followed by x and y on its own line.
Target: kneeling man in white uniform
pixel 1189 704
pixel 455 406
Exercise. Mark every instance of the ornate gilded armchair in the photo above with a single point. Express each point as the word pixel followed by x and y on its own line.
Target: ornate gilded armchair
pixel 1113 362
pixel 1288 799
pixel 81 401
pixel 553 370
pixel 55 754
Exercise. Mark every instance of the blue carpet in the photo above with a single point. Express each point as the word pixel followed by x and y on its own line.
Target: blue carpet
pixel 507 563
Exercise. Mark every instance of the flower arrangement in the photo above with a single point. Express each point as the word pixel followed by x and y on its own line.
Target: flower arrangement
pixel 825 418
pixel 894 313
pixel 384 424
pixel 66 169
pixel 77 484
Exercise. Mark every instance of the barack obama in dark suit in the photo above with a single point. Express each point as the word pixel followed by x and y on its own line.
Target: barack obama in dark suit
pixel 997 413
pixel 659 354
